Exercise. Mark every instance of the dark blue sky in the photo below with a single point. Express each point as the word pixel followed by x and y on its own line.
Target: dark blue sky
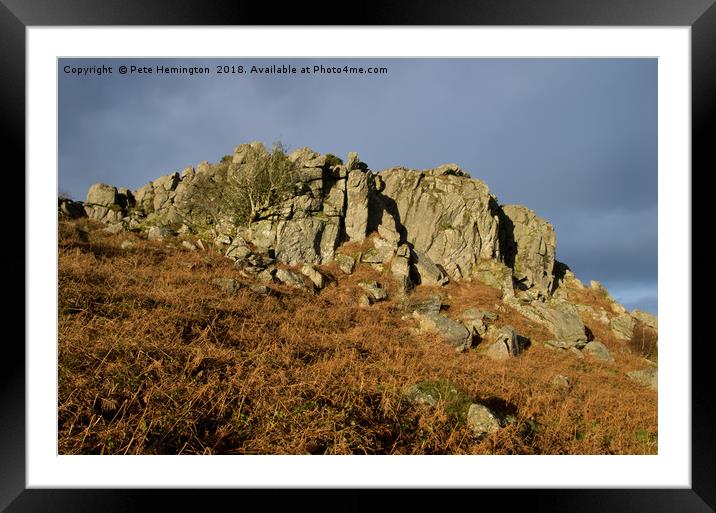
pixel 573 139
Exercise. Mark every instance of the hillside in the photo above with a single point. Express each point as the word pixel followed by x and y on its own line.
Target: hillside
pixel 399 312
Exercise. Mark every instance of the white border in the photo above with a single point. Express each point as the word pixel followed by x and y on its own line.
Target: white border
pixel 671 468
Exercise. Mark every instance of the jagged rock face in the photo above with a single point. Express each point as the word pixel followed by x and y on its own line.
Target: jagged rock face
pixel 444 214
pixel 452 224
pixel 528 246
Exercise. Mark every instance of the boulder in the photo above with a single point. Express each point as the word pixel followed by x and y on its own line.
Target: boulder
pixel 623 326
pixel 427 305
pixel 101 194
pixel 428 272
pixel 158 233
pixel 103 203
pixel 400 268
pixel 345 263
pixel 312 274
pixel 433 393
pixel 289 278
pixel 70 209
pixel 561 381
pixel 238 249
pixel 504 343
pixel 188 245
pixel 374 289
pixel 475 320
pixel 259 289
pixel 381 252
pixel 115 228
pixel 267 275
pixel 481 420
pixel 599 351
pixel 453 332
pixel 562 320
pixel 228 285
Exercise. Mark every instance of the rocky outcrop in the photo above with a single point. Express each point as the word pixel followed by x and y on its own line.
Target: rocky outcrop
pixel 424 227
pixel 446 216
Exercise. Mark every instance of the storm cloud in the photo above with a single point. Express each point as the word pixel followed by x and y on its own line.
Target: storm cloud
pixel 573 139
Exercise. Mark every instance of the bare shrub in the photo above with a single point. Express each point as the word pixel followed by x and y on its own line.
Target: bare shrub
pixel 236 193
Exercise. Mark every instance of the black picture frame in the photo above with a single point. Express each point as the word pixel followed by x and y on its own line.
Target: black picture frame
pixel 17 15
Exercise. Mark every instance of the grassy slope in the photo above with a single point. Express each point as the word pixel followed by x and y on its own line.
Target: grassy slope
pixel 155 359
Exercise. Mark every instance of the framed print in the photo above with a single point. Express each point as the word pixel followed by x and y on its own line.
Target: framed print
pixel 230 298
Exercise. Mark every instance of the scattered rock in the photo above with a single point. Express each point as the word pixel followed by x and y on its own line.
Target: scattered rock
pixel 257 260
pixel 504 343
pixel 266 276
pixel 188 245
pixel 126 244
pixel 561 381
pixel 576 352
pixel 646 318
pixel 345 263
pixel 158 233
pixel 69 209
pixel 381 252
pixel 260 289
pixel 432 393
pixel 238 249
pixel 481 420
pixel 114 228
pixel 289 278
pixel 455 333
pixel 364 301
pixel 599 351
pixel 400 268
pixel 623 326
pixel 222 240
pixel 430 304
pixel 228 285
pixel 374 289
pixel 563 320
pixel 429 273
pixel 648 377
pixel 312 274
pixel 472 318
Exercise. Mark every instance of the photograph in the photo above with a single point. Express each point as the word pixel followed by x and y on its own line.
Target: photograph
pixel 357 256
